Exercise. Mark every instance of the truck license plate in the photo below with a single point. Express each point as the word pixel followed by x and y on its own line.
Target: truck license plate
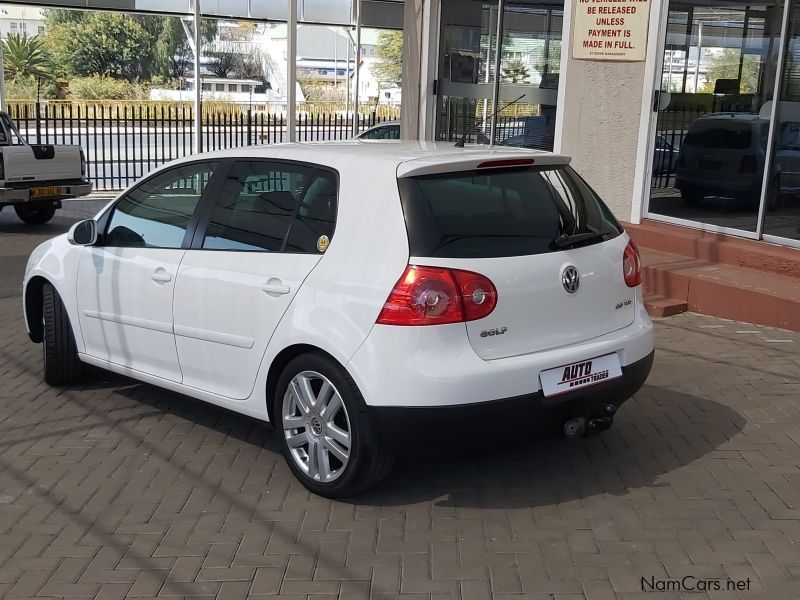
pixel 45 192
pixel 574 376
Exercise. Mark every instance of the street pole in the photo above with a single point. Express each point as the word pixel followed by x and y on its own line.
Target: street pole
pixel 699 54
pixel 2 77
pixel 291 71
pixel 198 84
pixel 347 76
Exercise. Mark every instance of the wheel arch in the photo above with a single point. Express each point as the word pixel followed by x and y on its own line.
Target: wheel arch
pixel 278 364
pixel 34 307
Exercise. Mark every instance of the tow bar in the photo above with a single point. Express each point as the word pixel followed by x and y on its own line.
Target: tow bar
pixel 590 426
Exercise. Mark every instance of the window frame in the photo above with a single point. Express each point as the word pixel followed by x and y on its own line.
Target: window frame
pixel 219 174
pixel 208 203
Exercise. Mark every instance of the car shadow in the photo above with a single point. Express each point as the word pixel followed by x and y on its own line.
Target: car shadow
pixel 656 432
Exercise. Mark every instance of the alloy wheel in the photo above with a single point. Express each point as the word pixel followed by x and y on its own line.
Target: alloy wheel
pixel 316 426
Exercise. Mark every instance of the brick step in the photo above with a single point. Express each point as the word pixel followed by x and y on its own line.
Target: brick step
pixel 724 290
pixel 659 306
pixel 716 247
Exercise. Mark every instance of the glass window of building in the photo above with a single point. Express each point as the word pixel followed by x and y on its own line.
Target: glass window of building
pixel 718 78
pixel 782 204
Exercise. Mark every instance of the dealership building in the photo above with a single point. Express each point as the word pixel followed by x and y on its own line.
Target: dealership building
pixel 684 115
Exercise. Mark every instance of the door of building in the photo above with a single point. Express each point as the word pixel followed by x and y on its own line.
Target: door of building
pixel 528 60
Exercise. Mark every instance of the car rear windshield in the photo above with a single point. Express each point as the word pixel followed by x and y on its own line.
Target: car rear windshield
pixel 506 212
pixel 732 136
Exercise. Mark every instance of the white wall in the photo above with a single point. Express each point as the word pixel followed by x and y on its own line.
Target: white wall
pixel 600 129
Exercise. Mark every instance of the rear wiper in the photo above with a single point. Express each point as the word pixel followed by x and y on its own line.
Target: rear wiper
pixel 566 241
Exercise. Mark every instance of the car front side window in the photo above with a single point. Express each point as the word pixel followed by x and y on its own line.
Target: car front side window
pixel 156 214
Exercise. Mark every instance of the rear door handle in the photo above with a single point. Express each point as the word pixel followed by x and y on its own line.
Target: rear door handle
pixel 160 275
pixel 275 286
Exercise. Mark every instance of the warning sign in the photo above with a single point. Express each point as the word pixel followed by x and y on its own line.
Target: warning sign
pixel 610 29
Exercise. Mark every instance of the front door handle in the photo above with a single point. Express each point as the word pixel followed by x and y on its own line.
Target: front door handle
pixel 275 287
pixel 160 275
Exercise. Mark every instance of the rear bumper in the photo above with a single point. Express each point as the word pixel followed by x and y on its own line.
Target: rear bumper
pixel 530 414
pixel 14 195
pixel 731 184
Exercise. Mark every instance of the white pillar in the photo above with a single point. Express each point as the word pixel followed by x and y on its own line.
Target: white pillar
pixel 413 13
pixel 198 84
pixel 358 67
pixel 291 71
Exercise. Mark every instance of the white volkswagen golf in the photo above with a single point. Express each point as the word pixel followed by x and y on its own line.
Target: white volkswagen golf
pixel 355 295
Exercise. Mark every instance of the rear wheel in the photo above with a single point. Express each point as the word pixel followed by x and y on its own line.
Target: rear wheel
pixel 325 429
pixel 60 355
pixel 35 214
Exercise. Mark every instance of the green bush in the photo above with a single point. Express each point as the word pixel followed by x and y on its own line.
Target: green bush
pixel 24 88
pixel 99 87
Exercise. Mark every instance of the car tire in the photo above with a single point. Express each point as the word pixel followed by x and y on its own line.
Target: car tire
pixel 60 355
pixel 35 214
pixel 691 197
pixel 311 424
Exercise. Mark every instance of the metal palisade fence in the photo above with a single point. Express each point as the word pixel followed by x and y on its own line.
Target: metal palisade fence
pixel 124 140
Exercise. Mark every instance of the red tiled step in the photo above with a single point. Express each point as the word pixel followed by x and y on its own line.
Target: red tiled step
pixel 716 247
pixel 723 290
pixel 659 306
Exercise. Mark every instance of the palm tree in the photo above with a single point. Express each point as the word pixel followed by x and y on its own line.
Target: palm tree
pixel 26 58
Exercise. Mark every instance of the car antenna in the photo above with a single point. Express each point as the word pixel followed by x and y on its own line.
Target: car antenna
pixel 463 139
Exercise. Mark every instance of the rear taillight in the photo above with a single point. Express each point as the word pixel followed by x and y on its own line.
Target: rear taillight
pixel 631 265
pixel 749 164
pixel 435 296
pixel 83 165
pixel 2 168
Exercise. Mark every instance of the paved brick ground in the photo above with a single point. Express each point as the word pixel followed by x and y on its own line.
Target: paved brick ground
pixel 120 490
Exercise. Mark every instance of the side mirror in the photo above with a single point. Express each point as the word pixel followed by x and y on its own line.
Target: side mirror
pixel 83 233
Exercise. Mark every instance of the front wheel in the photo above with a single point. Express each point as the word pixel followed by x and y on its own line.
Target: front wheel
pixel 325 431
pixel 60 355
pixel 35 214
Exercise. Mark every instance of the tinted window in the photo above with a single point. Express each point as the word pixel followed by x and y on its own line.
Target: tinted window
pixel 274 207
pixel 156 214
pixel 389 132
pixel 733 136
pixel 474 214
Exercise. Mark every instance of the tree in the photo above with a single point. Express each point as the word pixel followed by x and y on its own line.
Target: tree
pixel 725 65
pixel 388 69
pixel 515 72
pixel 173 55
pixel 145 46
pixel 26 58
pixel 225 60
pixel 104 43
pixel 251 66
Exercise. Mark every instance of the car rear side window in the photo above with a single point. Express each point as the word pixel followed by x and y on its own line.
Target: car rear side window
pixel 728 135
pixel 274 207
pixel 508 212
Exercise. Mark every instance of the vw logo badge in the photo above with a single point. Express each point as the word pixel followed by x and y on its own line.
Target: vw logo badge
pixel 570 279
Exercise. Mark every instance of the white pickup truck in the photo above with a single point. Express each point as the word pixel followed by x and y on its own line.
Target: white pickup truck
pixel 36 178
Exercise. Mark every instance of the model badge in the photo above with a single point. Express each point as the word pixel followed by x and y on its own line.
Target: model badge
pixel 570 279
pixel 498 331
